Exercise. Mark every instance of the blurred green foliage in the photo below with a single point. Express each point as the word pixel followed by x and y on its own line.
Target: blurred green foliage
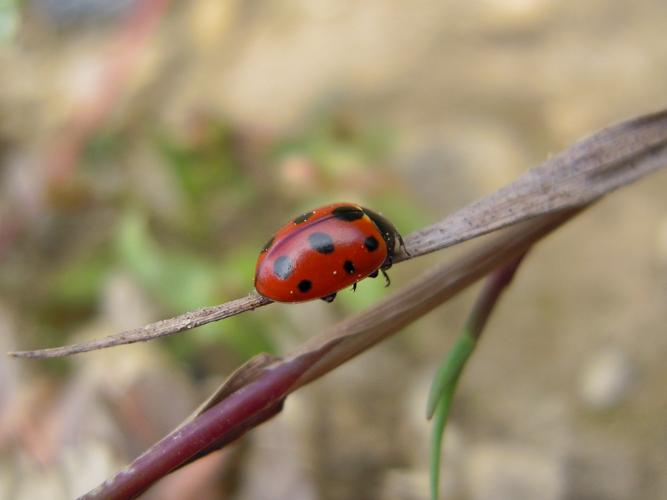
pixel 184 281
pixel 221 192
pixel 9 19
pixel 338 143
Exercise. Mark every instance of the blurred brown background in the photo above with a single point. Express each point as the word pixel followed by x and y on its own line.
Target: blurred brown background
pixel 149 148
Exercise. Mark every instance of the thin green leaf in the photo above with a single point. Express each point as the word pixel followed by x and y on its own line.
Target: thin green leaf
pixel 440 399
pixel 449 371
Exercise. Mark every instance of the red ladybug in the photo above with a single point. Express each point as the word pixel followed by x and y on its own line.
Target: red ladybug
pixel 322 251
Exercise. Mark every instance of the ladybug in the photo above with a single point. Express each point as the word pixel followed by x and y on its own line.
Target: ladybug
pixel 325 250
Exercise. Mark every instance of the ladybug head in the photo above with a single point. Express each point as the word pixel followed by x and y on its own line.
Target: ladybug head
pixel 389 233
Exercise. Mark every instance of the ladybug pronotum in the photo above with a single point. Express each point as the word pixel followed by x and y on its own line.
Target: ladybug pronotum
pixel 325 250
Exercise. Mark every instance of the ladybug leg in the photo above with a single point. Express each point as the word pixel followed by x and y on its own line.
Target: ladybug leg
pixel 374 274
pixel 329 298
pixel 387 265
pixel 386 277
pixel 354 287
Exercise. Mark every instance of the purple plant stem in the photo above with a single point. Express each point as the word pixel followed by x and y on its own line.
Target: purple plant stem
pixel 221 424
pixel 494 286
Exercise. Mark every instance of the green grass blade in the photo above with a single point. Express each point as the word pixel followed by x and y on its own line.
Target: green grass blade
pixel 440 399
pixel 449 370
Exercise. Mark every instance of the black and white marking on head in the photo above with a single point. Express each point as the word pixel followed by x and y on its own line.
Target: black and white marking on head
pixel 321 242
pixel 283 267
pixel 387 229
pixel 303 217
pixel 347 213
pixel 304 285
pixel 349 267
pixel 371 243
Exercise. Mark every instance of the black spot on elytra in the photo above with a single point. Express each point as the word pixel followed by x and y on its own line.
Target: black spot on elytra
pixel 303 217
pixel 347 213
pixel 371 243
pixel 321 242
pixel 349 267
pixel 283 267
pixel 268 244
pixel 304 285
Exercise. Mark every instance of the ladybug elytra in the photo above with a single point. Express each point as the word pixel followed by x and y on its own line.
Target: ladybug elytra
pixel 325 250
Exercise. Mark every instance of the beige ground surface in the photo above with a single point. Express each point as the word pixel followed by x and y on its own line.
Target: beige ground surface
pixel 565 398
